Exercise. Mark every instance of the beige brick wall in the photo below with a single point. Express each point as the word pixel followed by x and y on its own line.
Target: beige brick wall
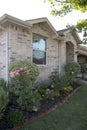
pixel 52 54
pixel 20 47
pixel 20 44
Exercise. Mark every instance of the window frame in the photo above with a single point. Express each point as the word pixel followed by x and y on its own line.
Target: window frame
pixel 44 50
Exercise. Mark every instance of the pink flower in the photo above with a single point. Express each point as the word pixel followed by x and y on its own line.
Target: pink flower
pixel 25 68
pixel 21 68
pixel 12 74
pixel 16 73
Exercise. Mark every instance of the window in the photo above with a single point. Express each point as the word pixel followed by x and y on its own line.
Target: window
pixel 39 49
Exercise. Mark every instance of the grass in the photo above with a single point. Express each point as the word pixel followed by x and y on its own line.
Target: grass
pixel 71 116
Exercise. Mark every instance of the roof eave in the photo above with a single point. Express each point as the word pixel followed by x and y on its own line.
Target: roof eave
pixel 10 19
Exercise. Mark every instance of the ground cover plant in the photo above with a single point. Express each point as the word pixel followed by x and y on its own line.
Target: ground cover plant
pixel 71 116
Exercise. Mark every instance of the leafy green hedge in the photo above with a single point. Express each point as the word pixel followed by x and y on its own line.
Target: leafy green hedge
pixel 72 68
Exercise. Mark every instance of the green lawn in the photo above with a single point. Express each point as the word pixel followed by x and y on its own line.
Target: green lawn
pixel 71 116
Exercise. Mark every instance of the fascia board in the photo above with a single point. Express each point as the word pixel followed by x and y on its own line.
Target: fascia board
pixel 7 18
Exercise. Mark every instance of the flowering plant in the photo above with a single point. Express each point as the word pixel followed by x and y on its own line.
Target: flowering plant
pixel 17 72
pixel 26 70
pixel 23 74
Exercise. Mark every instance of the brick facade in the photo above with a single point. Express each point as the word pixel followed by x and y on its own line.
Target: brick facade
pixel 19 46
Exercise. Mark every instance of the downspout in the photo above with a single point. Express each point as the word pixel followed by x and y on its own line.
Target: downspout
pixel 59 56
pixel 7 43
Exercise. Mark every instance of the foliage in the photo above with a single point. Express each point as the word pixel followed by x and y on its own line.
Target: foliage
pixel 67 90
pixel 54 77
pixel 64 81
pixel 70 116
pixel 15 118
pixel 63 7
pixel 29 99
pixel 82 28
pixel 25 97
pixel 2 83
pixel 56 94
pixel 84 68
pixel 23 74
pixel 72 68
pixel 23 71
pixel 48 92
pixel 3 97
pixel 60 82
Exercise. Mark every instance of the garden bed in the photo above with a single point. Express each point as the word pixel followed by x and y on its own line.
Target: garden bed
pixel 45 107
pixel 24 100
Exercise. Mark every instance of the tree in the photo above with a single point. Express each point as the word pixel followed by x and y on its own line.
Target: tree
pixel 63 7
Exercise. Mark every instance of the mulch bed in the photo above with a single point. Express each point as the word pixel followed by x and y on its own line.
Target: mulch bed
pixel 46 108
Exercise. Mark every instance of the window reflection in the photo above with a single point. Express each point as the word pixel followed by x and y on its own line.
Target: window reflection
pixel 39 49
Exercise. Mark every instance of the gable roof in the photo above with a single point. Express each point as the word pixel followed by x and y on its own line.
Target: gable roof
pixel 40 20
pixel 74 33
pixel 5 19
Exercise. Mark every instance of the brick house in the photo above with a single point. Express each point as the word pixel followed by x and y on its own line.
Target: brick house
pixel 82 54
pixel 38 41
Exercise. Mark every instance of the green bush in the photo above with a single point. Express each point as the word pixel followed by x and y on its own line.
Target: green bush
pixel 23 71
pixel 15 118
pixel 72 68
pixel 84 68
pixel 23 75
pixel 60 82
pixel 3 97
pixel 64 81
pixel 29 99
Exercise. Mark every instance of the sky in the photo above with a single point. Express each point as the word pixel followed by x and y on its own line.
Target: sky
pixel 30 9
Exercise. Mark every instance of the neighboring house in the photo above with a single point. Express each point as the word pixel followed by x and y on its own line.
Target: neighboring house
pixel 37 41
pixel 82 54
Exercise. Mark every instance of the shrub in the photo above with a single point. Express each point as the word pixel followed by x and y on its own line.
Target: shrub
pixel 3 97
pixel 15 118
pixel 23 75
pixel 84 68
pixel 72 68
pixel 23 71
pixel 64 81
pixel 60 82
pixel 29 99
